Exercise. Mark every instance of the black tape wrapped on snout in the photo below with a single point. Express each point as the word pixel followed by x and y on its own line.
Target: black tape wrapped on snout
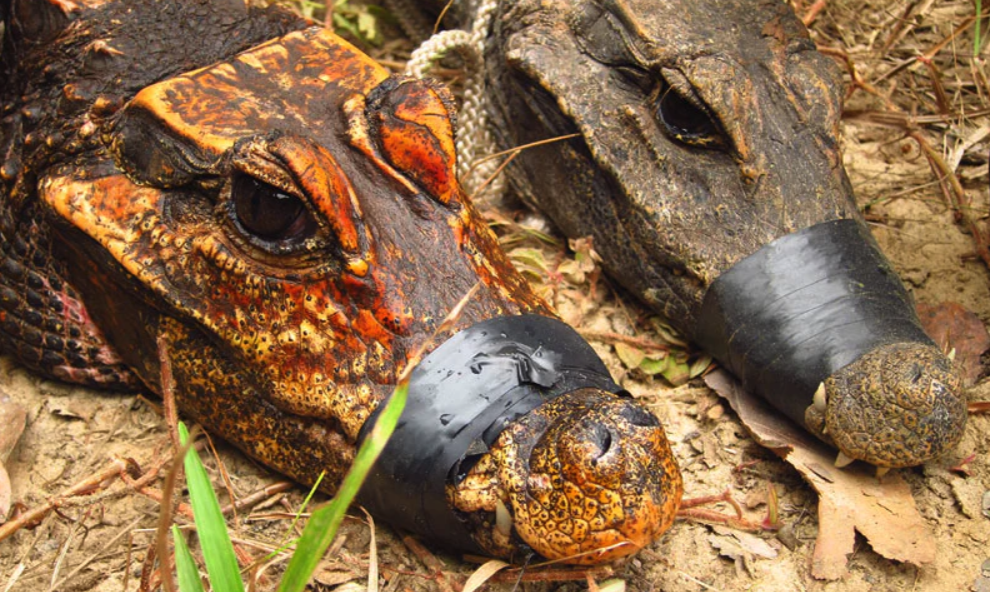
pixel 803 307
pixel 461 396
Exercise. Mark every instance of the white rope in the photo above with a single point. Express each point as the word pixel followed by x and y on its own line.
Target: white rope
pixel 474 140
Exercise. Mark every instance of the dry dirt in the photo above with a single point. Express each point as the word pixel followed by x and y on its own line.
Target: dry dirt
pixel 99 542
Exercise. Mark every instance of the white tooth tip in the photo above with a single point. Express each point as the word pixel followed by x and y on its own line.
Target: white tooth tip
pixel 819 401
pixel 503 520
pixel 842 461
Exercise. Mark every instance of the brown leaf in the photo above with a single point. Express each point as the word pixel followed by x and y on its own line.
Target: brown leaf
pixel 12 421
pixel 851 499
pixel 6 495
pixel 953 327
pixel 483 574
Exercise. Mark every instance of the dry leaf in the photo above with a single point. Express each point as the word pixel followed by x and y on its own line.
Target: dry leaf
pixel 850 499
pixel 741 547
pixel 483 574
pixel 336 577
pixel 631 356
pixel 71 411
pixel 12 420
pixel 748 542
pixel 953 327
pixel 6 494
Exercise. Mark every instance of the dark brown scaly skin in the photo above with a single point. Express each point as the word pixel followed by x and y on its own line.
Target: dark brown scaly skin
pixel 286 220
pixel 570 499
pixel 752 155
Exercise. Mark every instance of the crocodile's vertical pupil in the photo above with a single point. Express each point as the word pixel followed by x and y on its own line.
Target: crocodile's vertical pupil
pixel 266 211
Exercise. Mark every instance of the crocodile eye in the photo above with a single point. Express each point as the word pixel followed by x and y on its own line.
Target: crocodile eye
pixel 267 212
pixel 684 121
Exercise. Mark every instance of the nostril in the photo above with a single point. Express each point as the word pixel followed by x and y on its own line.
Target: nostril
pixel 601 437
pixel 638 416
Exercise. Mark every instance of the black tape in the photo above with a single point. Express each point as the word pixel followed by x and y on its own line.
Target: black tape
pixel 461 397
pixel 803 307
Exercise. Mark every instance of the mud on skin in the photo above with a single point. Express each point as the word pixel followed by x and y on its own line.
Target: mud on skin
pixel 284 214
pixel 707 131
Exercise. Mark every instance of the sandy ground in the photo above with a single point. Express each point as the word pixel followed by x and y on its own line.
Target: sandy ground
pixel 99 542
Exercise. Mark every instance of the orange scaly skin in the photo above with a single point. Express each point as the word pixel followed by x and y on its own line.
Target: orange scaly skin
pixel 285 215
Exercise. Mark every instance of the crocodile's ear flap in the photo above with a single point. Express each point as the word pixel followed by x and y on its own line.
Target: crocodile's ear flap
pixel 413 123
pixel 34 22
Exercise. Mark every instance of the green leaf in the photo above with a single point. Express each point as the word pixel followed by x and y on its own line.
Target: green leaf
pixel 699 365
pixel 653 365
pixel 676 371
pixel 631 357
pixel 323 524
pixel 368 25
pixel 529 257
pixel 184 565
pixel 218 553
pixel 342 23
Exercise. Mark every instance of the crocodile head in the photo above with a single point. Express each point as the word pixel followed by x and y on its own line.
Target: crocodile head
pixel 274 215
pixel 705 132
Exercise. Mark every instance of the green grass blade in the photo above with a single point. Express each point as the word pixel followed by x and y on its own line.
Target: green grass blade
pixel 323 524
pixel 184 565
pixel 295 520
pixel 218 553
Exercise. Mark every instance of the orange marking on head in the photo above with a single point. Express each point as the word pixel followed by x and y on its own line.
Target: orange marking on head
pixel 214 121
pixel 318 174
pixel 417 137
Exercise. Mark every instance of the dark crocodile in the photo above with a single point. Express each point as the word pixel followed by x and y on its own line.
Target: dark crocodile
pixel 707 169
pixel 281 214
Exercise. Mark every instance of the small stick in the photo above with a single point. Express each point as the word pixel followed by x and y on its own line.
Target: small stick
pixel 430 561
pixel 120 534
pixel 711 516
pixel 258 496
pixel 518 149
pixel 228 485
pixel 689 512
pixel 84 487
pixel 560 574
pixel 165 511
pixel 813 12
pixel 146 571
pixel 168 392
pixel 610 337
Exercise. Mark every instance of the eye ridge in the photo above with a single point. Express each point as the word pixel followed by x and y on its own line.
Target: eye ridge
pixel 268 213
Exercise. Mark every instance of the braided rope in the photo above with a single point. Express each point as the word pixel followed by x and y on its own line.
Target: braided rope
pixel 474 140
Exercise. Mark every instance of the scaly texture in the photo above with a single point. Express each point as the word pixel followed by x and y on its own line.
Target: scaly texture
pixel 273 206
pixel 700 132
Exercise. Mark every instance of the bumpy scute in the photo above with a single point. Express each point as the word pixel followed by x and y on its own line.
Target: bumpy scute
pixel 896 406
pixel 274 208
pixel 587 477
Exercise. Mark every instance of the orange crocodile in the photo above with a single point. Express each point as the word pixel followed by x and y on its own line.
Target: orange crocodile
pixel 283 214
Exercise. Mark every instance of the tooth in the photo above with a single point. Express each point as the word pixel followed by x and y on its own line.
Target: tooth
pixel 881 471
pixel 819 401
pixel 503 520
pixel 952 355
pixel 842 460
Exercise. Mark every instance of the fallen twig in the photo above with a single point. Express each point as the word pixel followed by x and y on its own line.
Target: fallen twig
pixel 88 485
